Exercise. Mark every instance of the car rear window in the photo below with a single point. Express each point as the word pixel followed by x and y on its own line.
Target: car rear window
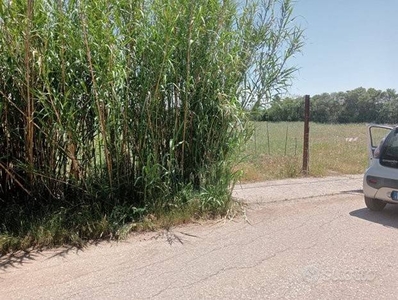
pixel 389 151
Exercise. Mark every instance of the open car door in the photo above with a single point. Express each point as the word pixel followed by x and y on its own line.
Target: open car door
pixel 376 134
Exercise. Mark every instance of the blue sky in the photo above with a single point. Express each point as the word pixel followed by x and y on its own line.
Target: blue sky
pixel 348 44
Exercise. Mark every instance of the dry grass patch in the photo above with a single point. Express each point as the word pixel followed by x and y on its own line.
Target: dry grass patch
pixel 275 150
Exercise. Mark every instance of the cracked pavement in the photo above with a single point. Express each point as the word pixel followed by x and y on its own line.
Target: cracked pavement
pixel 307 238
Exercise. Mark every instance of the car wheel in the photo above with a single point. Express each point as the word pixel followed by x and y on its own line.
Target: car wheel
pixel 374 204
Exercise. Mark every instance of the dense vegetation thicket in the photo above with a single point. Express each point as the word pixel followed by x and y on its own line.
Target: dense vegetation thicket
pixel 355 106
pixel 110 110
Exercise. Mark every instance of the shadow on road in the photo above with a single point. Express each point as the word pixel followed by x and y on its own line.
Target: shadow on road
pixel 387 217
pixel 21 258
pixel 16 259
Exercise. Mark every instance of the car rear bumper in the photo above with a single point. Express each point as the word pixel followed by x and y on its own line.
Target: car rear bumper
pixel 379 182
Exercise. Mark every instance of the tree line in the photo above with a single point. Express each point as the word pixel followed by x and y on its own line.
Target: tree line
pixel 355 106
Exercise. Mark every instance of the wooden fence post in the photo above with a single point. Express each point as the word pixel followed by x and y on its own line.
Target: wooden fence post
pixel 306 134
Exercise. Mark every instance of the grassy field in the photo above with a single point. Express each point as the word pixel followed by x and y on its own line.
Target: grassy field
pixel 275 150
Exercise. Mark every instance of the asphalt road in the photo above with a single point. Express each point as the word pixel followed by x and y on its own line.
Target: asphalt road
pixel 298 239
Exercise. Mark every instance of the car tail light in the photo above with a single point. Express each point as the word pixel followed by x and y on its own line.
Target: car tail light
pixel 372 180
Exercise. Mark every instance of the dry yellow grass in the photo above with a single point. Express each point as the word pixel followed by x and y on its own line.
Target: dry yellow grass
pixel 275 150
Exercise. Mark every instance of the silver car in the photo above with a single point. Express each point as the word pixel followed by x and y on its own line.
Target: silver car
pixel 380 182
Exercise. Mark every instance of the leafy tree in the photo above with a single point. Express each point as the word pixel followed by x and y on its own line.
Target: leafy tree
pixel 324 108
pixel 290 109
pixel 356 106
pixel 388 107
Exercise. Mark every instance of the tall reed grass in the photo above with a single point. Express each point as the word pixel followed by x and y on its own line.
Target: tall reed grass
pixel 110 109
